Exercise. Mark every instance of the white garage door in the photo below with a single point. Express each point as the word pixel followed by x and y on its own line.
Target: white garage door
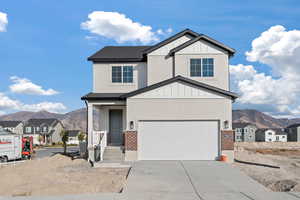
pixel 178 140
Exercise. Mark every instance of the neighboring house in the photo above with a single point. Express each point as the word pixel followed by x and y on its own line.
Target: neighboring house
pixel 12 126
pixel 271 135
pixel 46 129
pixel 293 133
pixel 73 136
pixel 169 101
pixel 244 132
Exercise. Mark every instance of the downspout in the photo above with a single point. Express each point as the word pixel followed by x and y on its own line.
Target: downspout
pixel 173 62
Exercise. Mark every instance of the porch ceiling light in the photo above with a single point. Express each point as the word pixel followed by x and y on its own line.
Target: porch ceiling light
pixel 131 125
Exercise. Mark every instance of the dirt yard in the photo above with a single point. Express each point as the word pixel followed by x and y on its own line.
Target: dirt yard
pixel 287 178
pixel 59 175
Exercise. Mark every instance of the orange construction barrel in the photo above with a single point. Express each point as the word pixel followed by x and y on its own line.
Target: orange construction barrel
pixel 223 158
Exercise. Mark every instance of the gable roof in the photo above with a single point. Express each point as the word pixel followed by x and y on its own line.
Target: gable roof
pixel 171 39
pixel 40 122
pixel 181 79
pixel 5 124
pixel 73 133
pixel 119 54
pixel 293 125
pixel 206 38
pixel 138 53
pixel 241 125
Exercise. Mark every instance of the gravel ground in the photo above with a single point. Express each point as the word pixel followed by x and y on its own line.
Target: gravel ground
pixel 59 175
pixel 287 178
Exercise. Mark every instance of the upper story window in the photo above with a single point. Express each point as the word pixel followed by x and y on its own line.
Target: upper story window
pixel 122 74
pixel 202 67
pixel 195 67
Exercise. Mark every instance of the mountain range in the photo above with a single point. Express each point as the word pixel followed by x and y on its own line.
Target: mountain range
pixel 77 119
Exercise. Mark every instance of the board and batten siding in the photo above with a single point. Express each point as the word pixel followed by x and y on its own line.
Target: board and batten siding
pixel 160 67
pixel 102 78
pixel 202 49
pixel 180 104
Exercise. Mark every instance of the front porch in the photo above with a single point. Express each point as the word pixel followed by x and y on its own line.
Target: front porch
pixel 106 126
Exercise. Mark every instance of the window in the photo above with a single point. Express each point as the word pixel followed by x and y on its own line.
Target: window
pixel 37 128
pixel 195 67
pixel 116 74
pixel 122 74
pixel 202 67
pixel 28 129
pixel 208 67
pixel 277 138
pixel 45 129
pixel 127 74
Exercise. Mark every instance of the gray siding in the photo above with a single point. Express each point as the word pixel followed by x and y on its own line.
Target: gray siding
pixel 102 80
pixel 178 109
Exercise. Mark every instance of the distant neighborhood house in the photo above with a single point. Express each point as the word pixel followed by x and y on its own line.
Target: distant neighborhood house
pixel 244 132
pixel 73 136
pixel 44 131
pixel 271 135
pixel 293 133
pixel 12 126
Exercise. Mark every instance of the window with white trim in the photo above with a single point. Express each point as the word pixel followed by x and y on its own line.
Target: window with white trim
pixel 202 67
pixel 28 129
pixel 122 74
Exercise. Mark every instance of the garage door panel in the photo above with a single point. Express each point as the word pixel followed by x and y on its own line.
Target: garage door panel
pixel 178 140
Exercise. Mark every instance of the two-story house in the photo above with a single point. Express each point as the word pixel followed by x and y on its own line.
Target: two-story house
pixel 293 133
pixel 244 132
pixel 43 131
pixel 169 101
pixel 271 135
pixel 12 126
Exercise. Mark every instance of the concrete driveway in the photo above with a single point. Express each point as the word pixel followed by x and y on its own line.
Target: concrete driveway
pixel 194 180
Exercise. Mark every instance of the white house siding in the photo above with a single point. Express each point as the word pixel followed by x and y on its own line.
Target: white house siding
pixel 221 69
pixel 56 135
pixel 19 129
pixel 103 80
pixel 159 66
pixel 179 109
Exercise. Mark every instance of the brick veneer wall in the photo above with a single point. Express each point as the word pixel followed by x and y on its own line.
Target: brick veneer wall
pixel 130 140
pixel 227 140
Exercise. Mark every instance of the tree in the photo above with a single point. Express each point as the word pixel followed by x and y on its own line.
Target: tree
pixel 64 138
pixel 81 136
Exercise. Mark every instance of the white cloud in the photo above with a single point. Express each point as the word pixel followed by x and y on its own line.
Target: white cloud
pixel 3 21
pixel 25 86
pixel 278 93
pixel 6 103
pixel 117 26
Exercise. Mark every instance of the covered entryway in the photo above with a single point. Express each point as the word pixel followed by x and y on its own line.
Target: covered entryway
pixel 116 127
pixel 178 140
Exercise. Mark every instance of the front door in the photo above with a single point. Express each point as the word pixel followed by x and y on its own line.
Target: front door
pixel 115 127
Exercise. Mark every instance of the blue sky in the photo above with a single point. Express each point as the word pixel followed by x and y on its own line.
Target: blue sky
pixel 45 43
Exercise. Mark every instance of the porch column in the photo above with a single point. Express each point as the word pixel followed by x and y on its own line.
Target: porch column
pixel 90 125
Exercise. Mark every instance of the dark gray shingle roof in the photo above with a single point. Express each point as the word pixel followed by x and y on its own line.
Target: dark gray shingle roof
pixel 119 53
pixel 102 96
pixel 73 133
pixel 240 125
pixel 9 123
pixel 39 122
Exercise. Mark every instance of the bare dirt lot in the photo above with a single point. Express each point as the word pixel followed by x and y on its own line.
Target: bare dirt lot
pixel 287 178
pixel 59 175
